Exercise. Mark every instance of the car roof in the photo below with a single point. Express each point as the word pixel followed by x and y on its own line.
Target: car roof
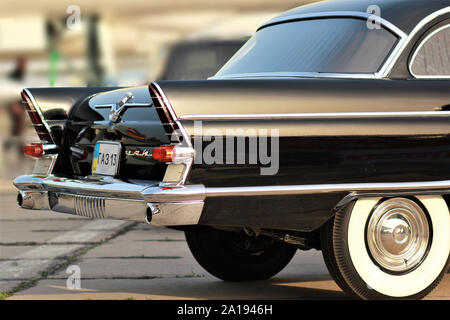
pixel 404 14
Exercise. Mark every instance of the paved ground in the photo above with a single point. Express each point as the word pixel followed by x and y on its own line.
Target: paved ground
pixel 119 260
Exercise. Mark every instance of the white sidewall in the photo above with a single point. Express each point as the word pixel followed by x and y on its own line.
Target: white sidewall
pixel 416 280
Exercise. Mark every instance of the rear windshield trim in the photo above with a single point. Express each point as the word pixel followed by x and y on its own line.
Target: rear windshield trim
pixel 336 14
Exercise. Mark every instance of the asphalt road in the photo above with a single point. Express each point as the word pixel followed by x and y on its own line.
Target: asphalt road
pixel 121 260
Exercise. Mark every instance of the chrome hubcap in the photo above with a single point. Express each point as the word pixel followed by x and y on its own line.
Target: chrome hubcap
pixel 398 234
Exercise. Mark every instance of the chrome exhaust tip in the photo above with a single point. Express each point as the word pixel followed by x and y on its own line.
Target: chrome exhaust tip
pixel 19 200
pixel 32 200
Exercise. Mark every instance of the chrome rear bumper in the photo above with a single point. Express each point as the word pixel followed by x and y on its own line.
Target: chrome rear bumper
pixel 110 198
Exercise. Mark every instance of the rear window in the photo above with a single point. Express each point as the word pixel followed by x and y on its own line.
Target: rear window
pixel 336 45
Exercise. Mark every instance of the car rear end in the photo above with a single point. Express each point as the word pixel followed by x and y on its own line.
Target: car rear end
pixel 119 154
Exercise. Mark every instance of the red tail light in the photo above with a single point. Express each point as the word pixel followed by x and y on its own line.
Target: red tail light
pixel 35 150
pixel 163 153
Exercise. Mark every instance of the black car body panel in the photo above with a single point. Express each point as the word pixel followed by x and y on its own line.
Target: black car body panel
pixel 331 131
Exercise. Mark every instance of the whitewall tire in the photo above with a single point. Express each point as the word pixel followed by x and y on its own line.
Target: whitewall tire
pixel 392 248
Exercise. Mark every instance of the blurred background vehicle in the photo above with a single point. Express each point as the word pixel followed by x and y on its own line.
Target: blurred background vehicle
pixel 198 60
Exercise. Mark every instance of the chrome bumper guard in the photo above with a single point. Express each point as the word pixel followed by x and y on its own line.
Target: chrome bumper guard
pixel 109 198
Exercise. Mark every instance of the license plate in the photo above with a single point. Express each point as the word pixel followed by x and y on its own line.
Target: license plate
pixel 106 158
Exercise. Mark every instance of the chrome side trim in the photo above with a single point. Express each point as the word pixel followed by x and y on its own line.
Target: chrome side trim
pixel 332 115
pixel 351 14
pixel 417 51
pixel 327 188
pixel 387 68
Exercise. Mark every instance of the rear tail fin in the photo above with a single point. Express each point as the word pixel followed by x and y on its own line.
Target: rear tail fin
pixel 48 108
pixel 37 119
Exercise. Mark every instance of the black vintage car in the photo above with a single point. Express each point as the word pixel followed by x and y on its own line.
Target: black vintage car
pixel 328 129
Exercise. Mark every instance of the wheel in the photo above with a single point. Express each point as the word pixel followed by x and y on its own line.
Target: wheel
pixel 391 248
pixel 326 243
pixel 235 256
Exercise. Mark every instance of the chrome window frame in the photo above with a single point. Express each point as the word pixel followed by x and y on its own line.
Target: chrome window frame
pixel 413 57
pixel 402 43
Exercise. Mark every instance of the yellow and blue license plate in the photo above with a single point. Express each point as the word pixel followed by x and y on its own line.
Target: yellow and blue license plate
pixel 106 158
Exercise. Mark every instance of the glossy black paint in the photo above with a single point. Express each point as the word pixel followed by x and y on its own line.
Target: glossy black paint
pixel 304 95
pixel 339 159
pixel 300 213
pixel 56 103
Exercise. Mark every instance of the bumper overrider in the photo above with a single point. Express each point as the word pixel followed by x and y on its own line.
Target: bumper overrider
pixel 109 198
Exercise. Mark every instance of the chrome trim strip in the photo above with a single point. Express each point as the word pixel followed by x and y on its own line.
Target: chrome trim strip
pixel 333 115
pixel 326 188
pixel 351 14
pixel 296 75
pixel 417 51
pixel 387 68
